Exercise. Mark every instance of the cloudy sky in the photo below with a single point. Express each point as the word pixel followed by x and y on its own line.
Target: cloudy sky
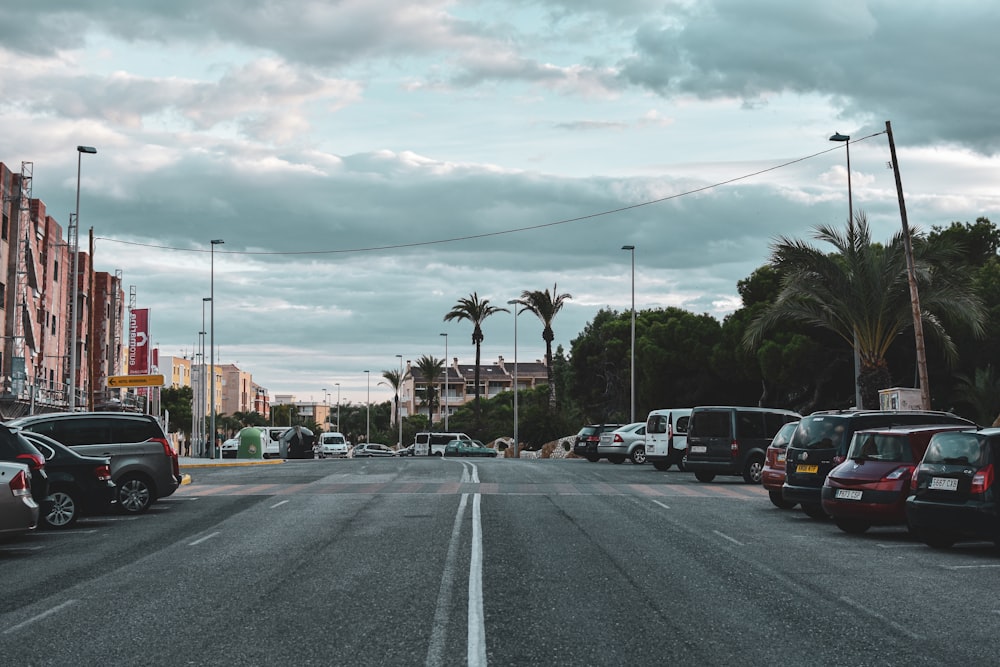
pixel 370 162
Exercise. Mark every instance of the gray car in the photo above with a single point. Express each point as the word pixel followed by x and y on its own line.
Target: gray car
pixel 627 442
pixel 144 466
pixel 369 449
pixel 18 511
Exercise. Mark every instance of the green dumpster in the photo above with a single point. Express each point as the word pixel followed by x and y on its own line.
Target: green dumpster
pixel 251 444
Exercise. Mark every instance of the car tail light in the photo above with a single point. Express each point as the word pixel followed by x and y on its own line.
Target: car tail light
pixel 20 485
pixel 169 451
pixel 34 461
pixel 982 480
pixel 902 472
pixel 102 472
pixel 618 438
pixel 734 447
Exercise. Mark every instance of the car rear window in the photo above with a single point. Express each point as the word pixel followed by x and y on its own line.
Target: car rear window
pixel 819 432
pixel 958 449
pixel 881 447
pixel 711 424
pixel 588 430
pixel 135 430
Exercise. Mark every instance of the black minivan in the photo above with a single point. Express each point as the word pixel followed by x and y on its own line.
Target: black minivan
pixel 726 440
pixel 820 444
pixel 953 491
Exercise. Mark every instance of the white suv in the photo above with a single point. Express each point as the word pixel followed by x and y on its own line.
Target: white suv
pixel 332 445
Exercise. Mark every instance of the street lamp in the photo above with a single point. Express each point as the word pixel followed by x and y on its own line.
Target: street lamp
pixel 445 381
pixel 399 414
pixel 211 351
pixel 337 384
pixel 204 379
pixel 74 240
pixel 631 249
pixel 515 303
pixel 368 415
pixel 846 139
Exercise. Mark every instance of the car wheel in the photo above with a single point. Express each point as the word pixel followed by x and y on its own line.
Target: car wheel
pixel 593 459
pixel 779 501
pixel 704 476
pixel 682 464
pixel 135 494
pixel 64 509
pixel 662 466
pixel 814 511
pixel 638 455
pixel 753 470
pixel 852 526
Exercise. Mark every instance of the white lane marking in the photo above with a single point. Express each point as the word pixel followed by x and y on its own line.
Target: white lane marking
pixel 439 629
pixel 476 652
pixel 203 539
pixel 657 502
pixel 278 504
pixel 726 537
pixel 15 549
pixel 896 626
pixel 983 566
pixel 39 617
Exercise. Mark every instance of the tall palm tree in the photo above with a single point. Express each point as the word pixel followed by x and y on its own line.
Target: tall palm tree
pixel 861 292
pixel 430 368
pixel 395 380
pixel 545 305
pixel 474 310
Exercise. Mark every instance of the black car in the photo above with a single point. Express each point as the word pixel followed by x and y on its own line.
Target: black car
pixel 14 447
pixel 78 485
pixel 953 491
pixel 820 444
pixel 732 440
pixel 586 441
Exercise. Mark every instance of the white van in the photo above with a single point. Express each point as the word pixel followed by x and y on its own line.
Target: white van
pixel 666 437
pixel 332 444
pixel 427 443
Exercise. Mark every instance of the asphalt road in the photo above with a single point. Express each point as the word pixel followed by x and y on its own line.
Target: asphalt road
pixel 450 562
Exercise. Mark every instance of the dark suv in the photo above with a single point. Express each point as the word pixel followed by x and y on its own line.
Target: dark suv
pixel 820 443
pixel 725 440
pixel 144 466
pixel 589 437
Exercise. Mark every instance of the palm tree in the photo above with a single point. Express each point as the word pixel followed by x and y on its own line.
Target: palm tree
pixel 545 305
pixel 430 368
pixel 472 309
pixel 395 379
pixel 861 292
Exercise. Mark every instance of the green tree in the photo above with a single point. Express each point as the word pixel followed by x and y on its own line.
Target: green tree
pixel 474 310
pixel 546 305
pixel 860 292
pixel 395 380
pixel 431 369
pixel 178 402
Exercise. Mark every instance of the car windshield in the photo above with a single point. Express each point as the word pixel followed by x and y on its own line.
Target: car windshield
pixel 962 448
pixel 818 432
pixel 784 435
pixel 881 447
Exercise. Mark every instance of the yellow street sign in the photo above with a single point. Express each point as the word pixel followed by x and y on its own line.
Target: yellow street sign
pixel 135 380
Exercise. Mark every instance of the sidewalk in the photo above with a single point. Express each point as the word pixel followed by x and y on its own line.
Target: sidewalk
pixel 200 462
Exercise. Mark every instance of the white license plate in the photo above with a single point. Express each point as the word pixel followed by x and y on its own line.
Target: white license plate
pixel 944 484
pixel 650 449
pixel 848 494
pixel 698 449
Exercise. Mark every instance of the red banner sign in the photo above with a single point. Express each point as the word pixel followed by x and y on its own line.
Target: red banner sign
pixel 138 342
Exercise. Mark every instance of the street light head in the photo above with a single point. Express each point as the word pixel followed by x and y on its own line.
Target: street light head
pixel 444 334
pixel 206 298
pixel 217 241
pixel 87 149
pixel 628 247
pixel 840 137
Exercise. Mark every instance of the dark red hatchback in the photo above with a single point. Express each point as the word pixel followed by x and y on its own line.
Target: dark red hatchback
pixel 871 486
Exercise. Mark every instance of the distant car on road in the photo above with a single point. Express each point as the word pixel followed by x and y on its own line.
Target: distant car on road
pixel 370 449
pixel 586 441
pixel 332 445
pixel 406 451
pixel 627 442
pixel 468 448
pixel 230 448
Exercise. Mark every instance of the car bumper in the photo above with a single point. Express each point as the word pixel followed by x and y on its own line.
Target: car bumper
pixel 612 450
pixel 970 519
pixel 802 494
pixel 772 478
pixel 585 449
pixel 879 507
pixel 729 467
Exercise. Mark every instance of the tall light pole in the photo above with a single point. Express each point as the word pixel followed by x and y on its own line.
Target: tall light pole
pixel 631 249
pixel 399 414
pixel 846 138
pixel 211 346
pixel 74 240
pixel 515 303
pixel 204 380
pixel 445 381
pixel 337 384
pixel 368 414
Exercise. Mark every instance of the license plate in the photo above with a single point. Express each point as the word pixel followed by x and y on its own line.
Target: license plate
pixel 807 469
pixel 848 494
pixel 650 449
pixel 699 449
pixel 944 484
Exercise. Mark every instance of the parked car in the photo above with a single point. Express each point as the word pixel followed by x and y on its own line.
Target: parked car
pixel 871 486
pixel 666 437
pixel 773 474
pixel 586 441
pixel 727 440
pixel 144 466
pixel 468 448
pixel 370 449
pixel 18 510
pixel 627 442
pixel 820 443
pixel 429 443
pixel 230 448
pixel 78 485
pixel 406 451
pixel 953 492
pixel 332 445
pixel 15 448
